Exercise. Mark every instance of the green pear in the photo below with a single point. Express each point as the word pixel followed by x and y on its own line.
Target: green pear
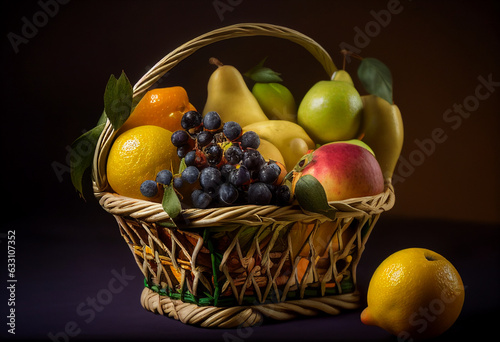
pixel 331 111
pixel 342 75
pixel 276 101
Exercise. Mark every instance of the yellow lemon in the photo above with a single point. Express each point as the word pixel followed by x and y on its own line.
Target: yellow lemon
pixel 138 155
pixel 414 293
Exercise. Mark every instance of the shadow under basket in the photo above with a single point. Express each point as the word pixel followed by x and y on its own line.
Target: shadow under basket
pixel 234 266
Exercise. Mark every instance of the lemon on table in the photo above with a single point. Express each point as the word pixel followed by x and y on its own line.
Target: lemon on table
pixel 138 155
pixel 414 293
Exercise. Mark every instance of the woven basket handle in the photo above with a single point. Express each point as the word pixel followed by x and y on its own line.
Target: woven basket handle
pixel 233 31
pixel 187 49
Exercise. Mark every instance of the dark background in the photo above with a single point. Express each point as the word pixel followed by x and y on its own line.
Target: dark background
pixel 66 248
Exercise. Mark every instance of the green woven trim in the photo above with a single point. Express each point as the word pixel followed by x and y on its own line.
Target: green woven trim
pixel 346 285
pixel 216 259
pixel 366 227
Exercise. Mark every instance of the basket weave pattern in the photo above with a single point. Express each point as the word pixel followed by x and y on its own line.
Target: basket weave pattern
pixel 231 266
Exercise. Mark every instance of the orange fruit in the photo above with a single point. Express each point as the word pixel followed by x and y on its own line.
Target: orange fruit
pixel 161 107
pixel 415 293
pixel 138 155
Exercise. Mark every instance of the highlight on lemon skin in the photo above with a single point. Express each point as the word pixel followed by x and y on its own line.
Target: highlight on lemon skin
pixel 414 294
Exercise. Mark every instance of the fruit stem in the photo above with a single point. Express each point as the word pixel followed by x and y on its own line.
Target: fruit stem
pixel 429 258
pixel 177 192
pixel 349 53
pixel 215 61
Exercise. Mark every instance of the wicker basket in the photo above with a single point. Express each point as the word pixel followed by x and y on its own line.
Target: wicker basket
pixel 233 266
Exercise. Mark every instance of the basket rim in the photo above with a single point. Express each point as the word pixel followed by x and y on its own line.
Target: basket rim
pixel 249 214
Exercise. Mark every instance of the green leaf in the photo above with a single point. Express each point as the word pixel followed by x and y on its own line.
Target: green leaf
pixel 168 224
pixel 171 203
pixel 118 100
pixel 182 166
pixel 266 75
pixel 261 74
pixel 82 154
pixel 376 78
pixel 102 119
pixel 312 197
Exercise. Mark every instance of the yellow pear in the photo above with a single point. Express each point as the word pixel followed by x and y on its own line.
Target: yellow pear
pixel 382 130
pixel 270 152
pixel 291 139
pixel 229 96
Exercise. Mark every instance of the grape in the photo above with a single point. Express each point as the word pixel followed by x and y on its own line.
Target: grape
pixel 179 138
pixel 271 187
pixel 232 130
pixel 226 163
pixel 239 176
pixel 283 195
pixel 149 188
pixel 214 154
pixel 191 119
pixel 225 170
pixel 195 158
pixel 212 121
pixel 233 155
pixel 210 178
pixel 269 173
pixel 195 194
pixel 190 174
pixel 228 194
pixel 259 193
pixel 250 139
pixel 252 159
pixel 178 182
pixel 190 158
pixel 204 138
pixel 200 199
pixel 183 150
pixel 164 177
